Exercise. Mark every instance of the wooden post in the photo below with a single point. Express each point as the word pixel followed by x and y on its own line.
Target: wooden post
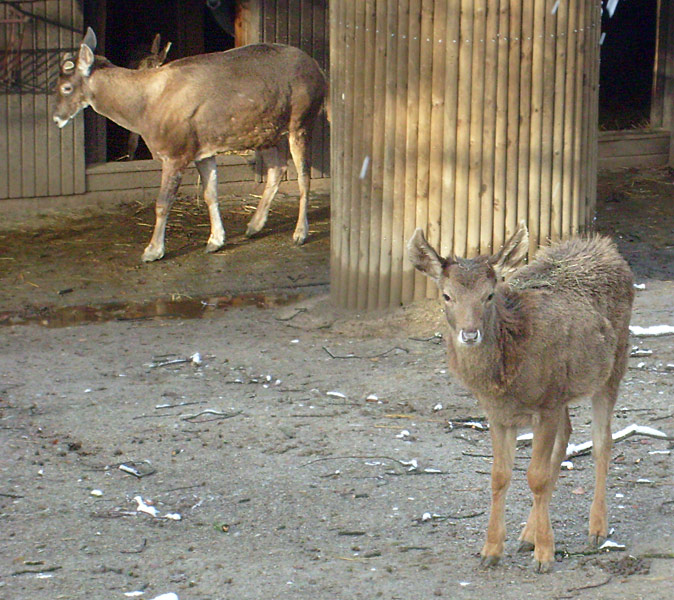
pixel 462 117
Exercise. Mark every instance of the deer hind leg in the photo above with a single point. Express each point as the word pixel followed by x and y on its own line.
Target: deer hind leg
pixel 276 161
pixel 527 537
pixel 602 409
pixel 300 147
pixel 503 441
pixel 208 171
pixel 132 145
pixel 542 475
pixel 170 180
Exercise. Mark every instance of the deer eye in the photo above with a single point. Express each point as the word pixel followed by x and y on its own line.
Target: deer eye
pixel 490 297
pixel 66 89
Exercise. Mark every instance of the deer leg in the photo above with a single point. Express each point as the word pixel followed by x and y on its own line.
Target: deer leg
pixel 299 150
pixel 277 164
pixel 170 180
pixel 208 171
pixel 503 441
pixel 541 483
pixel 602 409
pixel 132 145
pixel 527 537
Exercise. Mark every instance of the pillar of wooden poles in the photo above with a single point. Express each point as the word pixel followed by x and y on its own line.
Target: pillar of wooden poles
pixel 462 117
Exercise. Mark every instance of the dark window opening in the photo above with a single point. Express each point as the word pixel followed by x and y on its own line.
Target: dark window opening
pixel 626 72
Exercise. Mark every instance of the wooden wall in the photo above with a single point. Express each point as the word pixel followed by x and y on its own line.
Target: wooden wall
pixel 36 158
pixel 462 117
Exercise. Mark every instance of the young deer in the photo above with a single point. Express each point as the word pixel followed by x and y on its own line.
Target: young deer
pixel 258 97
pixel 154 59
pixel 527 341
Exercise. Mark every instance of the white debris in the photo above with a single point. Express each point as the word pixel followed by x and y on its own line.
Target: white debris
pixel 336 394
pixel 642 429
pixel 525 437
pixel 639 286
pixel 133 594
pixel 196 359
pixel 660 452
pixel 644 480
pixel 636 351
pixel 363 169
pixel 611 545
pixel 44 576
pixel 372 398
pixel 464 583
pixel 653 330
pixel 96 493
pixel 294 341
pixel 145 508
pixel 611 5
pixel 430 470
pixel 567 464
pixel 426 516
pixel 403 434
pixel 437 407
pixel 88 391
pixel 173 516
pixel 169 596
pixel 412 464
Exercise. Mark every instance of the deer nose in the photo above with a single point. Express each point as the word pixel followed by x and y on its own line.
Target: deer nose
pixel 470 336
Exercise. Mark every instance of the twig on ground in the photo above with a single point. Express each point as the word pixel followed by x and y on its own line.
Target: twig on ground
pixel 347 356
pixel 209 411
pixel 142 547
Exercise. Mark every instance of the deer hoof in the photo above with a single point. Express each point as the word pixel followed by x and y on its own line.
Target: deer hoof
pixel 152 254
pixel 543 566
pixel 299 238
pixel 595 540
pixel 252 230
pixel 525 546
pixel 214 246
pixel 489 561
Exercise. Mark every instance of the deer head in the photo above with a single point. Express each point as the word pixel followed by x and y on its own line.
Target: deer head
pixel 156 57
pixel 470 288
pixel 72 93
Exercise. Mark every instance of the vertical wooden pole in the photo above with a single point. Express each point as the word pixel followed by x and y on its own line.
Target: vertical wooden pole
pixel 501 133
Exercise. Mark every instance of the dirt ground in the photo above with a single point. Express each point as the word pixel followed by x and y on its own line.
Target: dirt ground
pixel 309 453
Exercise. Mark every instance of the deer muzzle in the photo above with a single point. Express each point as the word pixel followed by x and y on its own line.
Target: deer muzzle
pixel 470 337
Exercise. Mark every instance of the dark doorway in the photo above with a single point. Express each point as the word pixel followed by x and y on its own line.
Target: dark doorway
pixel 626 72
pixel 192 27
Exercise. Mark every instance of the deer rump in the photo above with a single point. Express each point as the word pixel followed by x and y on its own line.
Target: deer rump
pixel 258 97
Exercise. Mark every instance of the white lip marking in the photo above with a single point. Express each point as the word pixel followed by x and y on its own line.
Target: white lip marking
pixel 469 339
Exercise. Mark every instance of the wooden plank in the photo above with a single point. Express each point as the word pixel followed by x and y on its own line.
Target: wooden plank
pixel 67 151
pixel 28 124
pixel 336 16
pixel 515 63
pixel 578 164
pixel 547 121
pixel 360 149
pixel 388 184
pixel 42 117
pixel 439 42
pixel 502 121
pixel 282 22
pixel 79 181
pixel 400 140
pixel 463 121
pixel 569 116
pixel 525 110
pixel 377 170
pixel 485 197
pixel 4 122
pixel 409 206
pixel 53 140
pixel 14 146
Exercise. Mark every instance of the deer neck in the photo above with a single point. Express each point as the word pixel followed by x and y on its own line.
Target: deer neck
pixel 121 95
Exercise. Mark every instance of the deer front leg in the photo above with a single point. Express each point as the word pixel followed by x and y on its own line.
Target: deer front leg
pixel 208 171
pixel 503 441
pixel 170 180
pixel 527 537
pixel 276 163
pixel 541 483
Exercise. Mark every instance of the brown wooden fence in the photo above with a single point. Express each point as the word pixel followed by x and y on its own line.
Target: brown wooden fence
pixel 462 117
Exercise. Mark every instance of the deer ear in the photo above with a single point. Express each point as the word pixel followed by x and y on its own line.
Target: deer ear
pixel 156 44
pixel 90 39
pixel 423 257
pixel 164 53
pixel 507 260
pixel 84 60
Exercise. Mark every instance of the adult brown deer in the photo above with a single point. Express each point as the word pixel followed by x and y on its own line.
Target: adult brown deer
pixel 262 97
pixel 527 341
pixel 154 59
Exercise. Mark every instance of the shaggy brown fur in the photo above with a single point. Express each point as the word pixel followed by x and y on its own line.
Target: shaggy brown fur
pixel 527 341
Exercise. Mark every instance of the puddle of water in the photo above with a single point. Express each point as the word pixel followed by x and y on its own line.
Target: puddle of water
pixel 66 316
